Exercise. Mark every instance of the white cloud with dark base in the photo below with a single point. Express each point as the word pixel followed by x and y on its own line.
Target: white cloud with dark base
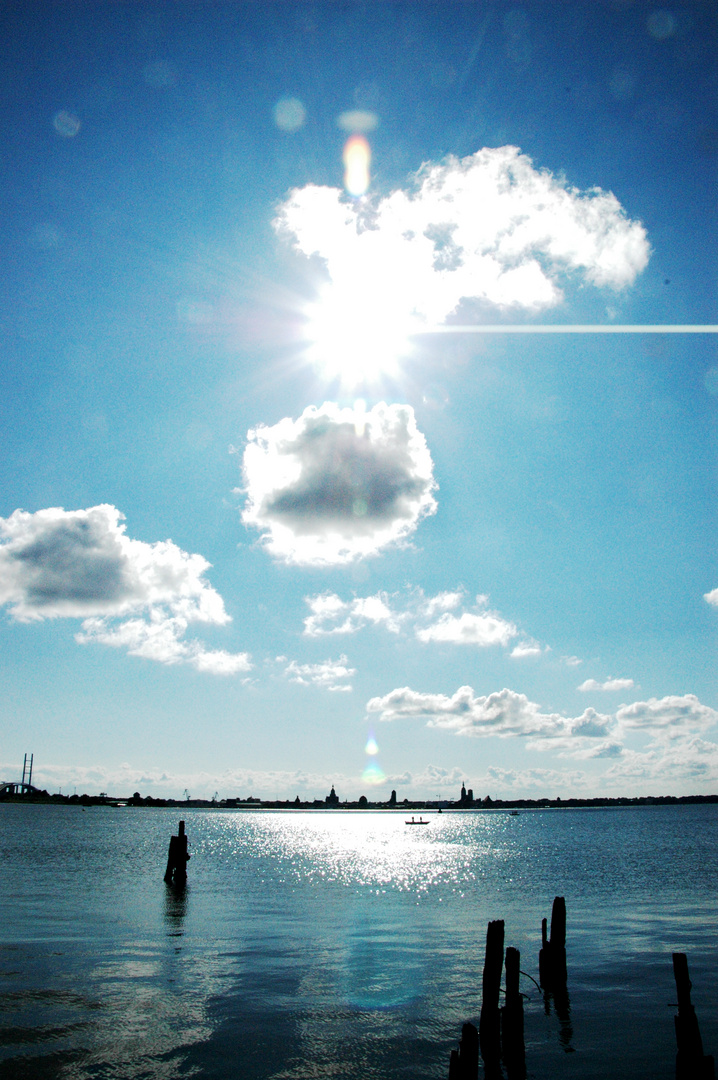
pixel 675 726
pixel 337 484
pixel 141 597
pixel 489 227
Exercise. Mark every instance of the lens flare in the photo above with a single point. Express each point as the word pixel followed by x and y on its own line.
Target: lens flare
pixel 371 746
pixel 372 774
pixel 356 158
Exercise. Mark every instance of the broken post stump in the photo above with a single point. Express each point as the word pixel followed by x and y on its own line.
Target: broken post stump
pixel 177 857
pixel 513 1050
pixel 552 957
pixel 691 1062
pixel 464 1062
pixel 490 1022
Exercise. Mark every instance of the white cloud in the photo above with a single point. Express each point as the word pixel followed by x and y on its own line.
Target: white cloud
pixel 329 675
pixel 609 684
pixel 572 661
pixel 59 563
pixel 668 718
pixel 502 713
pixel 712 597
pixel 444 601
pixel 675 725
pixel 489 226
pixel 337 484
pixel 332 615
pixel 528 648
pixel 483 629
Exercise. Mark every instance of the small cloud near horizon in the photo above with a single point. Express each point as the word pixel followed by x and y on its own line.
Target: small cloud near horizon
pixel 609 684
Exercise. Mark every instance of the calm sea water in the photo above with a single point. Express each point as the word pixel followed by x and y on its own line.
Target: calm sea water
pixel 344 945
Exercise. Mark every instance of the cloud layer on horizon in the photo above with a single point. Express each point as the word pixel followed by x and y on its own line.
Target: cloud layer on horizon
pixel 80 564
pixel 337 484
pixel 488 227
pixel 675 725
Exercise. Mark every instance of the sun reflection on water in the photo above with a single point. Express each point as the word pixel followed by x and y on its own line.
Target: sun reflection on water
pixel 365 848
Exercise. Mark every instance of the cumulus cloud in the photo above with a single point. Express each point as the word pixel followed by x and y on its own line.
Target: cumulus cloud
pixel 503 713
pixel 528 648
pixel 668 718
pixel 337 484
pixel 332 615
pixel 141 597
pixel 609 684
pixel 330 675
pixel 712 597
pixel 483 629
pixel 432 619
pixel 675 725
pixel 444 601
pixel 490 227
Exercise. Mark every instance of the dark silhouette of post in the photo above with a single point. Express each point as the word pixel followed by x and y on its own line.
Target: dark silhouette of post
pixel 552 957
pixel 513 1050
pixel 490 1022
pixel 177 857
pixel 691 1062
pixel 464 1062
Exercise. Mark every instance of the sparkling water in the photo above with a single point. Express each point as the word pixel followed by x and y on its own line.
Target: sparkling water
pixel 345 945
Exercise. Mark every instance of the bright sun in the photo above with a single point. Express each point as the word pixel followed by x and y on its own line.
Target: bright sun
pixel 356 334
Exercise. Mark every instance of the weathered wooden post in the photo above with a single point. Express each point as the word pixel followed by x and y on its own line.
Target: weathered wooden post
pixel 691 1062
pixel 552 957
pixel 513 1049
pixel 177 857
pixel 464 1062
pixel 490 1022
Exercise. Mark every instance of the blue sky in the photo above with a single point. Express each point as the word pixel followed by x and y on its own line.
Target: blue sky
pixel 276 514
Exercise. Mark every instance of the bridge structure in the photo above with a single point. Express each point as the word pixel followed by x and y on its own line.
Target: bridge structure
pixel 14 788
pixel 25 786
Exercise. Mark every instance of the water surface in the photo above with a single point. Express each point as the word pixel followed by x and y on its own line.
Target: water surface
pixel 345 944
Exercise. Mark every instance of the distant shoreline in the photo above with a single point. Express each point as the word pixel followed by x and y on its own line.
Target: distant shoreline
pixel 45 799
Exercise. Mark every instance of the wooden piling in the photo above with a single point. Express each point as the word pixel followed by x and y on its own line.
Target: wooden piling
pixel 177 857
pixel 552 957
pixel 513 1050
pixel 464 1062
pixel 691 1062
pixel 490 1022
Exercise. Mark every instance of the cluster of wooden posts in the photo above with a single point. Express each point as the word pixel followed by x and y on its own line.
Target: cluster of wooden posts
pixel 500 1037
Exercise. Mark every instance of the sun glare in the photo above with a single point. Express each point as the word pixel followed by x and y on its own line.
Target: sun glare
pixel 356 335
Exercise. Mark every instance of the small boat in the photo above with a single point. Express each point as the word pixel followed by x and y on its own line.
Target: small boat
pixel 419 822
pixel 514 813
